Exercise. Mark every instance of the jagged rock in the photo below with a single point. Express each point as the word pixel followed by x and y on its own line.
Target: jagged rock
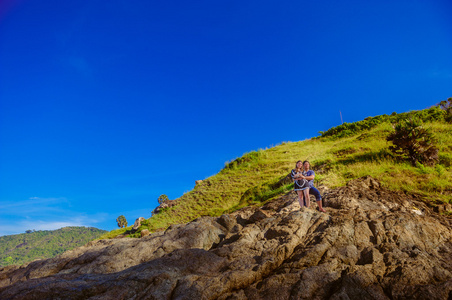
pixel 137 223
pixel 144 232
pixel 165 204
pixel 197 182
pixel 371 244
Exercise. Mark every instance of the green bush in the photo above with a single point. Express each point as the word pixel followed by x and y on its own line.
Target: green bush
pixel 446 105
pixel 423 169
pixel 445 159
pixel 435 113
pixel 440 170
pixel 412 141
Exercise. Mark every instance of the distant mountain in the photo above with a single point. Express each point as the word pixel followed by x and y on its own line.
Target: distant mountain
pixel 22 248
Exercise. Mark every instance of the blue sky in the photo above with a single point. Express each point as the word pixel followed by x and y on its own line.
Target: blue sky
pixel 105 105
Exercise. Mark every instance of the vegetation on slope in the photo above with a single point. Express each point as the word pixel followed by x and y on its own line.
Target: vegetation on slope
pixel 340 154
pixel 22 248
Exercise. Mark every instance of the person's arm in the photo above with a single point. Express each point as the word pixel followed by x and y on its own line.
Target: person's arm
pixel 310 177
pixel 295 175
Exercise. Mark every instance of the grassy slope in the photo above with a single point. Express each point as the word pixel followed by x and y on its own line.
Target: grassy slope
pixel 339 155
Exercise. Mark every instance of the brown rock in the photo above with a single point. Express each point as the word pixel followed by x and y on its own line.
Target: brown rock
pixel 138 223
pixel 144 232
pixel 165 204
pixel 371 244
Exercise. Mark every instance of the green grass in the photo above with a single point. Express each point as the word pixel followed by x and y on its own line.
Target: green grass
pixel 336 157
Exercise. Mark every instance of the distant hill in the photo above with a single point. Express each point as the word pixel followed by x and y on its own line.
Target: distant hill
pixel 22 248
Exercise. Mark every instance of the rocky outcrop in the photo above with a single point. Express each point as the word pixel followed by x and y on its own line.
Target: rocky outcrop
pixel 164 205
pixel 371 244
pixel 137 223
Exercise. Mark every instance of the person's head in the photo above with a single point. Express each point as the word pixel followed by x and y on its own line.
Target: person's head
pixel 299 165
pixel 306 165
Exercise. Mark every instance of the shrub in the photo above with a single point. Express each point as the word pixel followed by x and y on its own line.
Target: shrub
pixel 423 169
pixel 446 105
pixel 440 170
pixel 348 129
pixel 413 142
pixel 435 113
pixel 445 159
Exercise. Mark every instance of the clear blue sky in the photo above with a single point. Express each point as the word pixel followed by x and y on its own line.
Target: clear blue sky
pixel 105 105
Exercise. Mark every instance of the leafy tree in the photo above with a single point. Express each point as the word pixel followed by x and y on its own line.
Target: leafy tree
pixel 122 222
pixel 446 105
pixel 413 142
pixel 162 199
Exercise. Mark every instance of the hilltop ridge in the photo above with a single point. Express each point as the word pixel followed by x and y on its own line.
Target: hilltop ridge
pixel 338 155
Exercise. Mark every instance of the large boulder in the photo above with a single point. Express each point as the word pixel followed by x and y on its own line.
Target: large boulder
pixel 137 223
pixel 371 244
pixel 164 205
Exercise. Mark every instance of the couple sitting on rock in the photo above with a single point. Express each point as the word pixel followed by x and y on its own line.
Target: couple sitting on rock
pixel 304 184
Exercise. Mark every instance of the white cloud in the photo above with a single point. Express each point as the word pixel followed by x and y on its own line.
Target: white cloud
pixel 43 214
pixel 31 205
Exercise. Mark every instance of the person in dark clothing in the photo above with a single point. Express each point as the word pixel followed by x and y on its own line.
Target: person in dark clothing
pixel 309 175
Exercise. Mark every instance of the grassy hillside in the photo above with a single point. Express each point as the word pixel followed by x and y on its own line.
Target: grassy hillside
pixel 22 248
pixel 345 152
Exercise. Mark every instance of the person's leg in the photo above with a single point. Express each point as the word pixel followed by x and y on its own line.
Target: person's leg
pixel 300 198
pixel 318 198
pixel 306 197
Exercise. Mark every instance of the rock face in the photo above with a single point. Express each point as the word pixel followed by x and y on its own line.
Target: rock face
pixel 137 223
pixel 371 244
pixel 165 204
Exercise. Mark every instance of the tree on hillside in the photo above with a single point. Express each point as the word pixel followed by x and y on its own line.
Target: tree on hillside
pixel 122 222
pixel 446 105
pixel 413 142
pixel 162 199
